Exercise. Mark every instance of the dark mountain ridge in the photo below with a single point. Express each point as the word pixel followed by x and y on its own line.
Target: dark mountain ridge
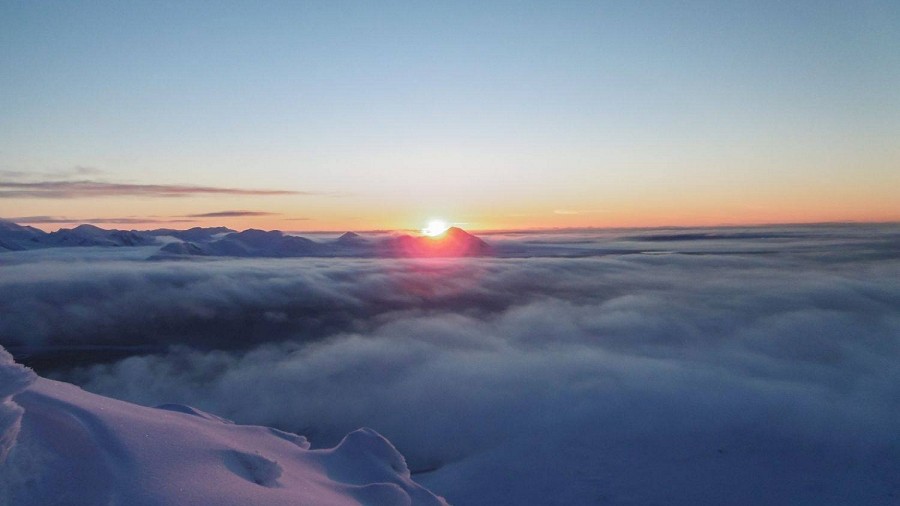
pixel 252 243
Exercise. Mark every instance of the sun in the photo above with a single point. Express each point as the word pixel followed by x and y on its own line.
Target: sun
pixel 435 228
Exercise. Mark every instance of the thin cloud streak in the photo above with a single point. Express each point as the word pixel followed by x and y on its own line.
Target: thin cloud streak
pixel 92 189
pixel 77 171
pixel 229 214
pixel 30 220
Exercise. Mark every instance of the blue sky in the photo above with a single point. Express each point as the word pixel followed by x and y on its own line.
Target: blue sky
pixel 490 114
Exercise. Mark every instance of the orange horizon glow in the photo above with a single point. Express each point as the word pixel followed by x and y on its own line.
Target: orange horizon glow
pixel 487 225
pixel 474 207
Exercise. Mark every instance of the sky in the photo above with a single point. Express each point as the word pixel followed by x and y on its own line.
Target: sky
pixel 489 115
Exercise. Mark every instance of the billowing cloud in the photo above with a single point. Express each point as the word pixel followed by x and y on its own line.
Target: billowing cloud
pixel 712 371
pixel 92 189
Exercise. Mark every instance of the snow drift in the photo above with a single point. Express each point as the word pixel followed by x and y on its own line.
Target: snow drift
pixel 64 446
pixel 13 379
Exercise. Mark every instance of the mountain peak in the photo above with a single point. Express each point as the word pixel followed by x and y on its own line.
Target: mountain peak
pixel 453 242
pixel 349 238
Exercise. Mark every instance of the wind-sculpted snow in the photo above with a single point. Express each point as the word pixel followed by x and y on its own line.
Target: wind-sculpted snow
pixel 13 379
pixel 754 366
pixel 78 448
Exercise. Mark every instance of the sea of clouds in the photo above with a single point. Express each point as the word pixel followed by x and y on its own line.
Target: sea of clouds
pixel 716 366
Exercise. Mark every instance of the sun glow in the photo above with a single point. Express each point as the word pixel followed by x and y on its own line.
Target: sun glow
pixel 435 228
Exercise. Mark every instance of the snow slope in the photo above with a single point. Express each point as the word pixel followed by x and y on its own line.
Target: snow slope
pixel 13 379
pixel 77 448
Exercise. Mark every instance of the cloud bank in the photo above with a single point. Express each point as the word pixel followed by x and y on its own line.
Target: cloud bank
pixel 742 370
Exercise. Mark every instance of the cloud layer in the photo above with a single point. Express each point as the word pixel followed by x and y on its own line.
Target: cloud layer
pixel 740 370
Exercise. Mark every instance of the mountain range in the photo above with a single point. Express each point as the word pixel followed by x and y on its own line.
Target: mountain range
pixel 225 242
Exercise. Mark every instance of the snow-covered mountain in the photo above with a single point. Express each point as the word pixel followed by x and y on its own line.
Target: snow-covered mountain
pixel 90 235
pixel 60 445
pixel 260 243
pixel 224 242
pixel 455 242
pixel 275 244
pixel 15 237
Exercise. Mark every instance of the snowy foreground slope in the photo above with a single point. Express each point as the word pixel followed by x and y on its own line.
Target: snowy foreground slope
pixel 65 446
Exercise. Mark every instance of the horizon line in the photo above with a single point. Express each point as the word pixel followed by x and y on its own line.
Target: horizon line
pixel 488 231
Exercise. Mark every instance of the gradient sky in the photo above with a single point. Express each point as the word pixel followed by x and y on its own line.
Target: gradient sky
pixel 374 115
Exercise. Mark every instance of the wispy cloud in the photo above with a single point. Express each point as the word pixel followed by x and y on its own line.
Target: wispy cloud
pixel 93 189
pixel 31 176
pixel 229 214
pixel 129 220
pixel 33 220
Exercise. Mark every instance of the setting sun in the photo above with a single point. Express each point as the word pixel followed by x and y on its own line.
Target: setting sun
pixel 435 228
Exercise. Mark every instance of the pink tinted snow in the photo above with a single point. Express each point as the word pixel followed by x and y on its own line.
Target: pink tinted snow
pixel 13 379
pixel 77 448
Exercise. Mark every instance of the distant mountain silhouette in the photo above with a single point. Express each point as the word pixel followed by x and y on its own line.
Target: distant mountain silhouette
pixel 181 249
pixel 15 237
pixel 455 242
pixel 275 244
pixel 350 238
pixel 260 243
pixel 224 242
pixel 89 235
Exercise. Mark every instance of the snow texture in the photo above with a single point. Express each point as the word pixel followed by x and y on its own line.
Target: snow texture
pixel 77 448
pixel 13 379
